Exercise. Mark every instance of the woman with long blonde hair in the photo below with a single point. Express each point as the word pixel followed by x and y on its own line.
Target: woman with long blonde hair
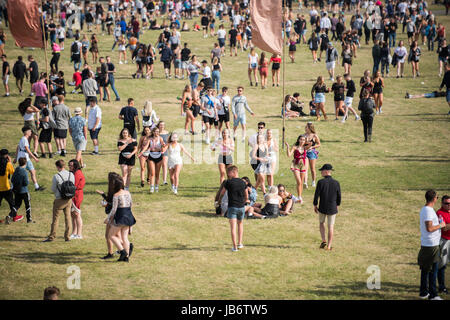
pixel 149 118
pixel 313 142
pixel 226 149
pixel 186 108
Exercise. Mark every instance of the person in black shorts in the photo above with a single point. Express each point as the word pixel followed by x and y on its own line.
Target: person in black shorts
pixel 339 94
pixel 232 35
pixel 127 157
pixel 205 23
pixel 46 130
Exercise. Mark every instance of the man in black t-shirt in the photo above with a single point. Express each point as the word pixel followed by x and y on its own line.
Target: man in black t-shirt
pixel 103 80
pixel 237 197
pixel 130 118
pixel 52 29
pixel 6 71
pixel 351 89
pixel 34 71
pixel 232 35
pixel 185 55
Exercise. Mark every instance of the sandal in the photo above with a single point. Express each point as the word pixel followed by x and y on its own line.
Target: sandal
pixel 323 245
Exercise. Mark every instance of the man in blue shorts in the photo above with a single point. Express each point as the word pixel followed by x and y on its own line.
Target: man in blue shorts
pixel 237 198
pixel 238 106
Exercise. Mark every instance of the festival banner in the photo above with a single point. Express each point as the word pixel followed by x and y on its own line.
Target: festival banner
pixel 25 22
pixel 266 19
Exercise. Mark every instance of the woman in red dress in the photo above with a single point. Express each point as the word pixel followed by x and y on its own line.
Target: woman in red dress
pixel 77 222
pixel 263 69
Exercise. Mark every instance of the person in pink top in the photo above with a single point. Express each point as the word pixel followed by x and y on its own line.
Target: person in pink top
pixel 39 88
pixel 444 214
pixel 56 52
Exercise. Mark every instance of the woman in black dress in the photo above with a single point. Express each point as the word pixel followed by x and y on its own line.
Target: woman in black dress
pixel 378 85
pixel 127 157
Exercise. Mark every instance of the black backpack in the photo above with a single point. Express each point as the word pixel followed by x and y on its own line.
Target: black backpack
pixel 74 48
pixel 66 188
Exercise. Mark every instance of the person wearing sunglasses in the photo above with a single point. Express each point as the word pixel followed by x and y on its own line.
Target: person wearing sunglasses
pixel 444 214
pixel 238 105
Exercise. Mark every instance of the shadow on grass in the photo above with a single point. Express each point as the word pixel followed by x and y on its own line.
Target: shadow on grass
pixel 183 247
pixel 434 120
pixel 418 159
pixel 272 246
pixel 204 213
pixel 14 238
pixel 56 258
pixel 388 290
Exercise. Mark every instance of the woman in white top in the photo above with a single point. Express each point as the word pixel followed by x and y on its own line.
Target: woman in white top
pixel 175 161
pixel 252 66
pixel 27 110
pixel 226 149
pixel 122 50
pixel 401 53
pixel 260 154
pixel 149 118
pixel 143 153
pixel 272 147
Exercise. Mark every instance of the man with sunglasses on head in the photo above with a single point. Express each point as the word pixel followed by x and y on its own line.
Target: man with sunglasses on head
pixel 444 214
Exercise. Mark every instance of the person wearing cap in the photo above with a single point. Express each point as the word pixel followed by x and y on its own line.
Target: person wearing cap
pixel 94 122
pixel 328 191
pixel 6 171
pixel 78 131
pixel 331 56
pixel 46 129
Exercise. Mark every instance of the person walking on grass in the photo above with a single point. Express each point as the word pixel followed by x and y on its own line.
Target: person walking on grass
pixel 63 201
pixel 328 192
pixel 6 71
pixel 6 192
pixel 61 114
pixel 175 160
pixel 430 236
pixel 94 122
pixel 23 151
pixel 238 106
pixel 444 246
pixel 127 146
pixel 19 181
pixel 120 219
pixel 237 198
pixel 78 131
pixel 130 118
pixel 367 106
pixel 80 181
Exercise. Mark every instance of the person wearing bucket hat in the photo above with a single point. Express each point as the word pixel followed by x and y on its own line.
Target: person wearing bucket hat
pixel 329 192
pixel 78 131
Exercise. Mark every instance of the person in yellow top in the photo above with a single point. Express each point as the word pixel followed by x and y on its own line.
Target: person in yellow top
pixel 6 172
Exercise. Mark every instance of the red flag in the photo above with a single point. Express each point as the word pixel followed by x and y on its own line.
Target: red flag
pixel 266 16
pixel 25 22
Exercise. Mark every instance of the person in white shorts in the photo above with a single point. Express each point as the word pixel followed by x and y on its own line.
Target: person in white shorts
pixel 350 86
pixel 175 161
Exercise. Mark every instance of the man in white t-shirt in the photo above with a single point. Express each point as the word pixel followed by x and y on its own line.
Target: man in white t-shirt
pixel 430 235
pixel 94 123
pixel 23 151
pixel 221 37
pixel 206 74
pixel 223 109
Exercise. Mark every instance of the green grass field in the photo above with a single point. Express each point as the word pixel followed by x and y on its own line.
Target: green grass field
pixel 182 250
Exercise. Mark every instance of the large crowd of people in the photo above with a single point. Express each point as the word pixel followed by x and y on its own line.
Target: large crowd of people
pixel 352 24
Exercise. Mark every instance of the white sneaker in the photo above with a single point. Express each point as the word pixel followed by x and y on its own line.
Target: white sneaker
pixel 306 185
pixel 234 250
pixel 207 141
pixel 120 62
pixel 240 246
pixel 78 237
pixel 152 189
pixel 343 120
pixel 156 188
pixel 126 62
pixel 436 298
pixel 73 236
pixel 175 191
pixel 357 118
pixel 425 296
pixel 313 184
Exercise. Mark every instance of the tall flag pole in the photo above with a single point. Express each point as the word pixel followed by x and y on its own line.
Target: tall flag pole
pixel 44 40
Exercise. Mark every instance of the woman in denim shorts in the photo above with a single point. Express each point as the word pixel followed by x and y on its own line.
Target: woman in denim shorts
pixel 312 139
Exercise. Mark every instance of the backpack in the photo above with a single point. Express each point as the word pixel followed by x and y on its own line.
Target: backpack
pixel 66 188
pixel 74 48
